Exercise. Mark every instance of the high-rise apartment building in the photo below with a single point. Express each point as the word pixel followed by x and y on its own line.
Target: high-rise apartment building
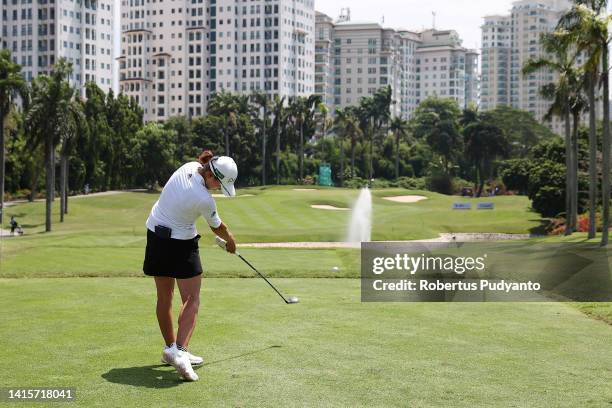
pixel 354 59
pixel 508 42
pixel 446 69
pixel 40 32
pixel 176 54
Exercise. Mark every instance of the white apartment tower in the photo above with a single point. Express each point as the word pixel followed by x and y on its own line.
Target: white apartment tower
pixel 446 69
pixel 409 86
pixel 495 66
pixel 356 58
pixel 508 42
pixel 324 69
pixel 40 32
pixel 176 53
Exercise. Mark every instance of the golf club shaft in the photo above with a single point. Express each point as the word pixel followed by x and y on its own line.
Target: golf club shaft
pixel 264 278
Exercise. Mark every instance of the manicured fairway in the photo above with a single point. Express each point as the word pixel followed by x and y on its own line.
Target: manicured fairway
pixel 81 315
pixel 104 235
pixel 100 336
pixel 283 214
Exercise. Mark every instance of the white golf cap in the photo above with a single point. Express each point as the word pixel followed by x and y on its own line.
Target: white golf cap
pixel 225 170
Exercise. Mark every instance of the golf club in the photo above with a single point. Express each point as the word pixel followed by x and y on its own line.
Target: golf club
pixel 290 300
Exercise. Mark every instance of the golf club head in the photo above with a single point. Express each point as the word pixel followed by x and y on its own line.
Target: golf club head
pixel 292 299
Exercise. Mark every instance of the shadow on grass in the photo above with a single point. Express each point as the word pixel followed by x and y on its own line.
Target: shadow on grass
pixel 540 229
pixel 151 376
pixel 240 356
pixel 160 375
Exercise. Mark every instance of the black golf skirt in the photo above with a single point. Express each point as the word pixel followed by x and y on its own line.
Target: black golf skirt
pixel 174 258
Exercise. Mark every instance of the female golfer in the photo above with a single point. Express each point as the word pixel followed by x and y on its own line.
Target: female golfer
pixel 172 248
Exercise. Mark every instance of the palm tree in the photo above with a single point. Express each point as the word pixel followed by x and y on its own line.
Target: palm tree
pixel 346 125
pixel 280 115
pixel 262 102
pixel 399 127
pixel 366 113
pixel 225 105
pixel 303 111
pixel 564 95
pixel 586 27
pixel 356 134
pixel 12 86
pixel 326 122
pixel 47 120
pixel 375 112
pixel 74 120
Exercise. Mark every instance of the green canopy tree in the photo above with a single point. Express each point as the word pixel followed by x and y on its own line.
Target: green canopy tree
pixel 483 144
pixel 156 151
pixel 436 120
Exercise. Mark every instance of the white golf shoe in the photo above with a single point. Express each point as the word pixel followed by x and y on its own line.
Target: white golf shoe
pixel 180 361
pixel 194 360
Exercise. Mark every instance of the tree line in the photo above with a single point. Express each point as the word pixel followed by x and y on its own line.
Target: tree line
pixel 59 142
pixel 581 34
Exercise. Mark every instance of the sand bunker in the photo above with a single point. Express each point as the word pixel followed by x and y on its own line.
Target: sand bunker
pixel 304 189
pixel 405 199
pixel 444 237
pixel 222 196
pixel 327 207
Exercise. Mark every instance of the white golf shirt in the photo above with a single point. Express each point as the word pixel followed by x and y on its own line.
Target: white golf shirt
pixel 183 199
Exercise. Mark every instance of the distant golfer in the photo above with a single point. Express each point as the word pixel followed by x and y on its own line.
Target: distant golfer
pixel 172 248
pixel 14 225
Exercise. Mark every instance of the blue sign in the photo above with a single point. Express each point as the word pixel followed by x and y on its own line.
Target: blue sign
pixel 462 206
pixel 485 206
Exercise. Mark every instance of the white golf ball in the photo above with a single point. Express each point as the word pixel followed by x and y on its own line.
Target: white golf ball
pixel 335 269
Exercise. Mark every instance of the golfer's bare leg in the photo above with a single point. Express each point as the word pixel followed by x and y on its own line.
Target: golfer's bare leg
pixel 165 290
pixel 190 294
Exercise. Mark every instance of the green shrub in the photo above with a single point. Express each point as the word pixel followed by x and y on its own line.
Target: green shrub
pixel 411 183
pixel 440 183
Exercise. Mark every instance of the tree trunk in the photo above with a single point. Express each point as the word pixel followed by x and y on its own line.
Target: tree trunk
pixel 575 191
pixel 50 182
pixel 263 147
pixel 397 155
pixel 592 159
pixel 568 175
pixel 476 181
pixel 278 150
pixel 226 136
pixel 606 148
pixel 481 179
pixel 62 187
pixel 370 161
pixel 341 162
pixel 301 152
pixel 67 191
pixel 353 145
pixel 2 160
